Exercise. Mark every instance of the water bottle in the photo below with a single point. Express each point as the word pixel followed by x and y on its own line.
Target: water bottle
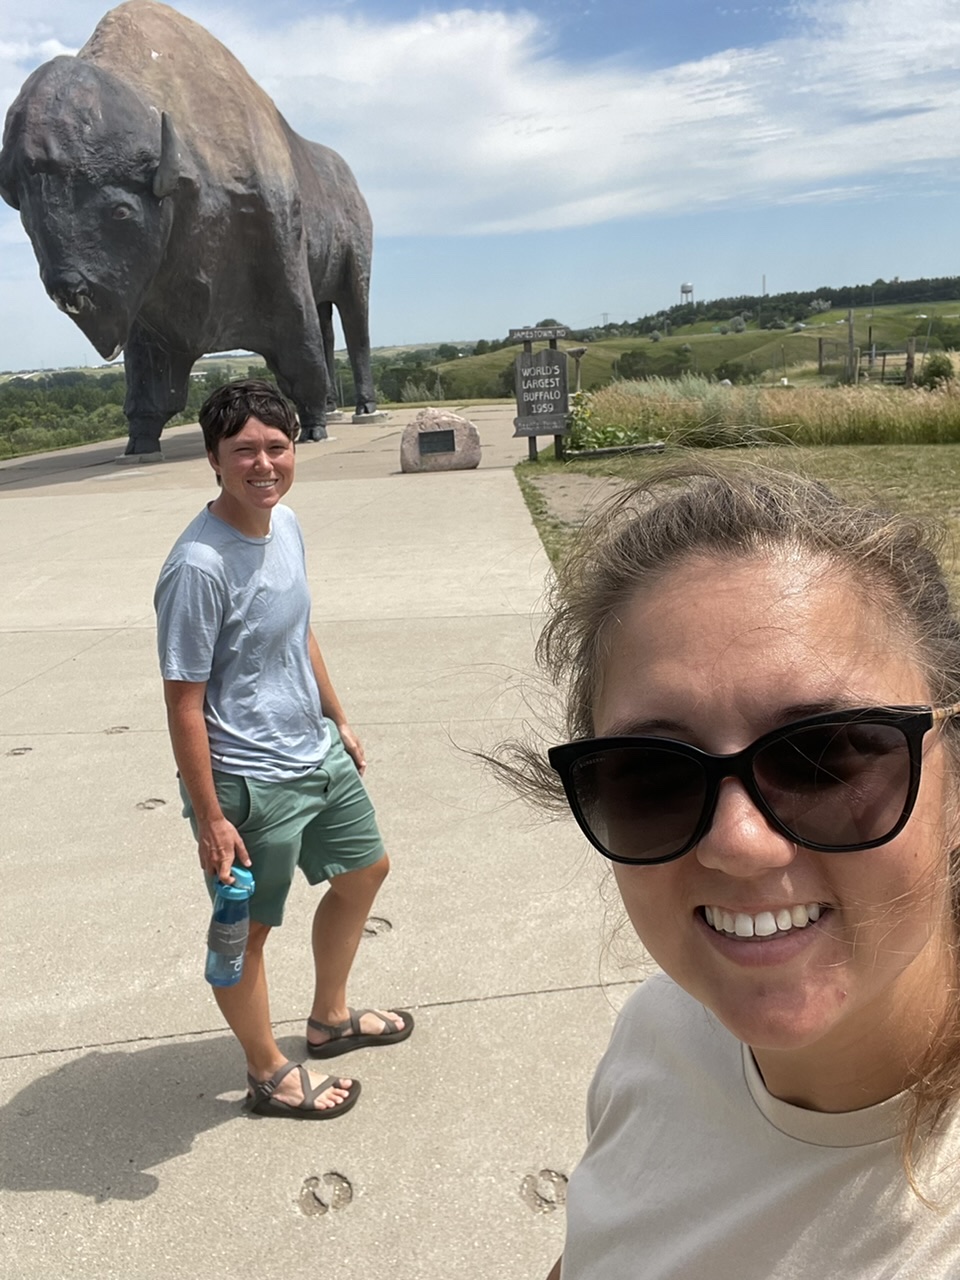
pixel 229 926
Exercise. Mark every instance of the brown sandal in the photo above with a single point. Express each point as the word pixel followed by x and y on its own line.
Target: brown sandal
pixel 347 1036
pixel 261 1101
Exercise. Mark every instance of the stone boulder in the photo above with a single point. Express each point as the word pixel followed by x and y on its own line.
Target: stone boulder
pixel 424 448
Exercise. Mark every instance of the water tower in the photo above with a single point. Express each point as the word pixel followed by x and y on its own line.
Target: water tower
pixel 686 293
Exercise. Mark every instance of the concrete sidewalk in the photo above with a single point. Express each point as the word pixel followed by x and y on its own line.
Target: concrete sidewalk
pixel 123 1149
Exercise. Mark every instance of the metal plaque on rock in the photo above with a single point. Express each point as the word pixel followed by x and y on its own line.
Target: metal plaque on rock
pixel 436 442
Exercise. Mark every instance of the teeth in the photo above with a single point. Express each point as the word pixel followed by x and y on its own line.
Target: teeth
pixel 743 925
pixel 763 925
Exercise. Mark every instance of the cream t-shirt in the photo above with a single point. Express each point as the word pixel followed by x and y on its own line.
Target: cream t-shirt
pixel 694 1171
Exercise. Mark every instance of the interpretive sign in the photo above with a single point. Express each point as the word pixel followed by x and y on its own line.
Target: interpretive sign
pixel 541 379
pixel 436 442
pixel 538 335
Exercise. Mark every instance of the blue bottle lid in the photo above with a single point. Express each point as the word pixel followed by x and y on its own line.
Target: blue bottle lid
pixel 242 888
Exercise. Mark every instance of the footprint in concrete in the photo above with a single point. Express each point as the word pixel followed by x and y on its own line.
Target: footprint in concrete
pixel 544 1192
pixel 152 803
pixel 118 728
pixel 375 926
pixel 329 1191
pixel 19 751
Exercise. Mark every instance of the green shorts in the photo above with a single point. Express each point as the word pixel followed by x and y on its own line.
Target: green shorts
pixel 323 823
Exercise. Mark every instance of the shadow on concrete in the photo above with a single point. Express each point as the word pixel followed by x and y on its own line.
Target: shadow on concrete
pixel 66 466
pixel 96 1125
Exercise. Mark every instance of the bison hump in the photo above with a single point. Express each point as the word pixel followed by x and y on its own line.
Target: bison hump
pixel 229 124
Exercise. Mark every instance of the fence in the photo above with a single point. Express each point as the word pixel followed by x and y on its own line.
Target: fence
pixel 892 368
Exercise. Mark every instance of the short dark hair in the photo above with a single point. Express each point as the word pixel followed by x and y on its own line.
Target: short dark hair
pixel 228 409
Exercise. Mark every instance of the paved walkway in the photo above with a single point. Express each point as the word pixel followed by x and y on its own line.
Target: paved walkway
pixel 123 1150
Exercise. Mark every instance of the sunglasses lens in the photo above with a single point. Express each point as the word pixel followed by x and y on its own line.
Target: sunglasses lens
pixel 836 784
pixel 640 803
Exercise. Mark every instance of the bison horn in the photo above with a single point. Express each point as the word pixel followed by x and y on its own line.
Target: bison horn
pixel 168 171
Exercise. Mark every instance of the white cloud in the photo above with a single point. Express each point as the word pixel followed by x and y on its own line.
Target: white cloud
pixel 31 52
pixel 467 121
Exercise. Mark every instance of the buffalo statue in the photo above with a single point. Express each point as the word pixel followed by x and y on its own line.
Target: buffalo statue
pixel 173 212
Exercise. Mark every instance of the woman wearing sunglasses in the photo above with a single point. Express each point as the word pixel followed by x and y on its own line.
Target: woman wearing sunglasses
pixel 762 689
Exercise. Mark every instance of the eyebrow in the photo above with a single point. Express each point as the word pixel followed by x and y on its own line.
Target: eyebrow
pixel 662 726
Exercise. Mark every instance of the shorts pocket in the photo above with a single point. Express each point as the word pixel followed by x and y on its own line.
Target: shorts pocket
pixel 235 798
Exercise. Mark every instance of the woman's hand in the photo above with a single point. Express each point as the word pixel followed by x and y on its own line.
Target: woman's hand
pixel 352 746
pixel 220 844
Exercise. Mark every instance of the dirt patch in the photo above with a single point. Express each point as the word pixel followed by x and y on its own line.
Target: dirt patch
pixel 571 497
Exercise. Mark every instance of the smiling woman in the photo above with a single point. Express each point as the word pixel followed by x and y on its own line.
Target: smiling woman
pixel 762 687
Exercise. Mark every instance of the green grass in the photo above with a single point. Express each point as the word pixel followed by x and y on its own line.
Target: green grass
pixel 554 533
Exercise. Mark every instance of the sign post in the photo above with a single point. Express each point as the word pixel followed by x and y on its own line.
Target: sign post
pixel 541 383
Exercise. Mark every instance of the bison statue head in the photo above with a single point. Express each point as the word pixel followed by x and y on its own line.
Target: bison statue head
pixel 91 167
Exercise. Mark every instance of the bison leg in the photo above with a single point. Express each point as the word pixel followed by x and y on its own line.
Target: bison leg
pixel 325 315
pixel 354 317
pixel 301 375
pixel 157 383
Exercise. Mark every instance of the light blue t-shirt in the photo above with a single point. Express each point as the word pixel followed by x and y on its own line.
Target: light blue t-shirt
pixel 234 612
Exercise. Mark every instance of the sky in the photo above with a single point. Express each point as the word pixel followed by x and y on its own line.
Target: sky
pixel 580 161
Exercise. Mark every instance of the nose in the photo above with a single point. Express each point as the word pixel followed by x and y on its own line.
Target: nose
pixel 69 290
pixel 740 842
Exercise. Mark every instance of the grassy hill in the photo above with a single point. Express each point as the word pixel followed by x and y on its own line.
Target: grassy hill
pixel 768 354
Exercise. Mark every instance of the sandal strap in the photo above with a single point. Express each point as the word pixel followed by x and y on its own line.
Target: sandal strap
pixel 310 1095
pixel 263 1089
pixel 338 1030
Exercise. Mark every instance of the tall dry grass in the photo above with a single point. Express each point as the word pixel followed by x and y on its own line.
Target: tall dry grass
pixel 693 411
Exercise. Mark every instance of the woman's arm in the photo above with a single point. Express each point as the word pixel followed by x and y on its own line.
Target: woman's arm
pixel 219 843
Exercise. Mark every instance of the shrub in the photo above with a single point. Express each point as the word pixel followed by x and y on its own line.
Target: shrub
pixel 731 371
pixel 937 370
pixel 633 364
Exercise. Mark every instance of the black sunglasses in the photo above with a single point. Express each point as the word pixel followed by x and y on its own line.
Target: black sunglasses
pixel 844 780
